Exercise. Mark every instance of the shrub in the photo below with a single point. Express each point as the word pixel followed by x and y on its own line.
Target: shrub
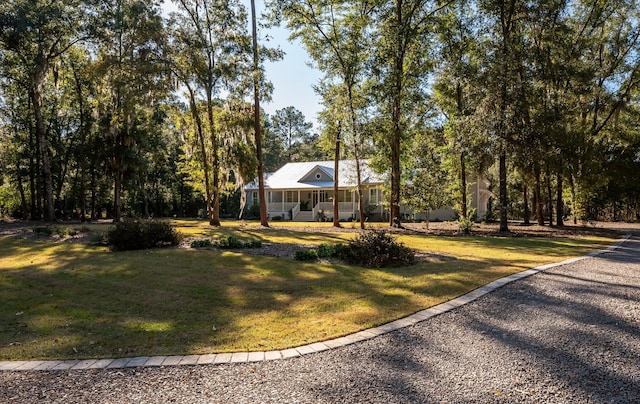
pixel 43 230
pixel 229 243
pixel 201 243
pixel 99 238
pixel 142 234
pixel 376 249
pixel 65 231
pixel 329 250
pixel 465 225
pixel 51 230
pixel 253 244
pixel 322 216
pixel 306 255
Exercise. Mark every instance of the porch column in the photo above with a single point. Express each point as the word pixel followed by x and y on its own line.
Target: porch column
pixel 353 204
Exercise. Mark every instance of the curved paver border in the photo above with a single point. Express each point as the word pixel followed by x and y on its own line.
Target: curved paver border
pixel 246 357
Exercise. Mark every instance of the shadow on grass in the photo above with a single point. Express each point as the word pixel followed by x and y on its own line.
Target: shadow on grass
pixel 572 338
pixel 76 301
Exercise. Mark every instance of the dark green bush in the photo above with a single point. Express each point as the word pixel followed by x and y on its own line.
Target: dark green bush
pixel 330 250
pixel 51 230
pixel 253 244
pixel 142 234
pixel 376 249
pixel 43 230
pixel 99 238
pixel 306 255
pixel 201 243
pixel 229 243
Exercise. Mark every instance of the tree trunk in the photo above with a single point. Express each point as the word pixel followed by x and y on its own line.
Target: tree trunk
pixel 336 166
pixel 503 191
pixel 549 195
pixel 525 197
pixel 258 133
pixel 117 186
pixel 197 121
pixel 23 198
pixel 396 115
pixel 538 195
pixel 41 137
pixel 145 200
pixel 356 152
pixel 93 192
pixel 33 168
pixel 83 191
pixel 559 201
pixel 360 195
pixel 32 188
pixel 463 165
pixel 214 214
pixel 574 201
pixel 463 186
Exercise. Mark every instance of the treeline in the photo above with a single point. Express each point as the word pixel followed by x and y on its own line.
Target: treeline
pixel 109 109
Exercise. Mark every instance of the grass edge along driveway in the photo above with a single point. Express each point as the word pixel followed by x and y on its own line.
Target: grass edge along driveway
pixel 74 301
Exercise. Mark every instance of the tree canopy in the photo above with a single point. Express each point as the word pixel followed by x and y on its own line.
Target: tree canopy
pixel 109 109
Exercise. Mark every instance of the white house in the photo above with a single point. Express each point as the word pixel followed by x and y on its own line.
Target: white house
pixel 304 192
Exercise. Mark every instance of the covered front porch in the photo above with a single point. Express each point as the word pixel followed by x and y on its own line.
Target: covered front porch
pixel 309 205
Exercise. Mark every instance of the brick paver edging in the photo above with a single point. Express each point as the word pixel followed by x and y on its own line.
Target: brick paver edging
pixel 246 357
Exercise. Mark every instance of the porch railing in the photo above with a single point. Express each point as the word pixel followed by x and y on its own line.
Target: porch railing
pixel 295 210
pixel 327 207
pixel 280 209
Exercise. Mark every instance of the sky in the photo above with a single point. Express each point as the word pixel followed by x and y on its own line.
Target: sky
pixel 291 77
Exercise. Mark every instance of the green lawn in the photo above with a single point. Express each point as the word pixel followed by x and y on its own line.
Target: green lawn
pixel 63 301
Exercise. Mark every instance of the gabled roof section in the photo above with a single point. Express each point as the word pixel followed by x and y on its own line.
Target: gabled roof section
pixel 323 172
pixel 296 175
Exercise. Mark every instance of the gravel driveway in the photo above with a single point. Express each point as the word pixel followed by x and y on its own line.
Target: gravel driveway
pixel 569 335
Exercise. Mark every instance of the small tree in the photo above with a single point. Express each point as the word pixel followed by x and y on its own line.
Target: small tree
pixel 427 191
pixel 429 185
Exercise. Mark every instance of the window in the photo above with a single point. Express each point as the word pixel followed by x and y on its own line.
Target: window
pixel 318 176
pixel 348 196
pixel 292 196
pixel 270 197
pixel 254 198
pixel 373 196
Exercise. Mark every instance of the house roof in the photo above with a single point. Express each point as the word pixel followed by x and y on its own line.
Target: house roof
pixel 299 175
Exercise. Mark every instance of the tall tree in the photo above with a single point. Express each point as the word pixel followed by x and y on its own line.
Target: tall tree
pixel 37 33
pixel 130 41
pixel 606 45
pixel 257 120
pixel 457 92
pixel 402 63
pixel 291 126
pixel 502 111
pixel 336 36
pixel 212 44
